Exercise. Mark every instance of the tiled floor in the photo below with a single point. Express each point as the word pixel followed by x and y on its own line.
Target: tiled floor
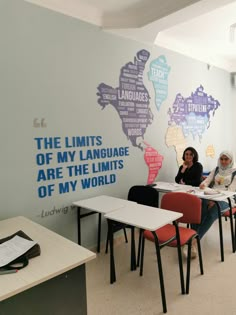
pixel 211 293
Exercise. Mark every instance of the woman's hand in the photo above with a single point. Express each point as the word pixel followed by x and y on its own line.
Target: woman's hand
pixel 184 166
pixel 202 186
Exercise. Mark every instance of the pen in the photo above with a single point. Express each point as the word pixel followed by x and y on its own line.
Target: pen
pixel 4 272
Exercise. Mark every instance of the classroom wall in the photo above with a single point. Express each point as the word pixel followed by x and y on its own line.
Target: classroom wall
pixel 51 67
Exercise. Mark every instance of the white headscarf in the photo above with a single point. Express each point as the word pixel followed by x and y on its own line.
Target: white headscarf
pixel 229 168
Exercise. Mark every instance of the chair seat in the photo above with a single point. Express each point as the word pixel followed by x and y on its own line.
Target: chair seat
pixel 168 232
pixel 227 213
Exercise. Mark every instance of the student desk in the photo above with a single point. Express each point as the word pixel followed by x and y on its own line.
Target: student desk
pixel 225 196
pixel 145 218
pixel 53 283
pixel 101 205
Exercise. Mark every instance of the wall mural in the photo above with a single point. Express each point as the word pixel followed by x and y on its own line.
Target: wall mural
pixel 158 74
pixel 131 101
pixel 67 164
pixel 191 116
pixel 210 151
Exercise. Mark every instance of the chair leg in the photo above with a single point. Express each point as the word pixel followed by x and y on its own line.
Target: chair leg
pixel 181 272
pixel 188 267
pixel 232 231
pixel 200 254
pixel 142 242
pixel 161 277
pixel 139 247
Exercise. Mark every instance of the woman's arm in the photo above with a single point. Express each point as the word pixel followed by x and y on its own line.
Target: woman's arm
pixel 179 176
pixel 208 180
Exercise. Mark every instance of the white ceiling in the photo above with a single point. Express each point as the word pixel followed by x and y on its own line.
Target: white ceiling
pixel 202 29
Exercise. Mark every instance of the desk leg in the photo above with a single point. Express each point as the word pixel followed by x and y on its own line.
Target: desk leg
pixel 220 232
pixel 158 253
pixel 133 253
pixel 78 225
pixel 231 225
pixel 99 232
pixel 112 260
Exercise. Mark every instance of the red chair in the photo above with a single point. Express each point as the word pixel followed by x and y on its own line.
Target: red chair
pixel 190 206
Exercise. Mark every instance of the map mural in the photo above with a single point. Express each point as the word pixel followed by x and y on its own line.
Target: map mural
pixel 191 116
pixel 154 162
pixel 158 75
pixel 210 151
pixel 131 100
pixel 175 137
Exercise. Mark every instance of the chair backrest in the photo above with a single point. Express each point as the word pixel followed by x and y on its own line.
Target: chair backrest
pixel 144 195
pixel 189 205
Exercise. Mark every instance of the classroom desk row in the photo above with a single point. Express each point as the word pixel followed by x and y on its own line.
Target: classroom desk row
pixel 106 204
pixel 142 217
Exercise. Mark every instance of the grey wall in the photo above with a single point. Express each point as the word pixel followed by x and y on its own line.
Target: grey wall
pixel 50 68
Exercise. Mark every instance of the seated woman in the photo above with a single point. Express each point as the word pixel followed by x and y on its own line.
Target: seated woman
pixel 190 173
pixel 221 178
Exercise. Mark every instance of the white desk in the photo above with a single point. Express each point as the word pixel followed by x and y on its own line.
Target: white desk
pixel 225 196
pixel 101 204
pixel 145 218
pixel 53 282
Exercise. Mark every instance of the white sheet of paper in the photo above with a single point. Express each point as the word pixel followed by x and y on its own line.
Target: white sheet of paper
pixel 14 248
pixel 166 186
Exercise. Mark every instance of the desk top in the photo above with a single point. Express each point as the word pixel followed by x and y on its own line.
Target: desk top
pixel 102 204
pixel 58 255
pixel 222 196
pixel 144 217
pixel 168 187
pixel 173 187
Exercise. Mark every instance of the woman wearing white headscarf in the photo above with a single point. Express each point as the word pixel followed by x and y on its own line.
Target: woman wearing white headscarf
pixel 221 178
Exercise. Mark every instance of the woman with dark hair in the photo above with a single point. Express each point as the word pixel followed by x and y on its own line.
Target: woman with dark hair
pixel 190 172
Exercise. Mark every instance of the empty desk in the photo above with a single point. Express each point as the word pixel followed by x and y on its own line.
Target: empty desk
pixel 146 218
pixel 101 205
pixel 52 283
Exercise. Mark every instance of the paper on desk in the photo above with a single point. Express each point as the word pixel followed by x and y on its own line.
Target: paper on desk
pixel 171 186
pixel 14 248
pixel 166 186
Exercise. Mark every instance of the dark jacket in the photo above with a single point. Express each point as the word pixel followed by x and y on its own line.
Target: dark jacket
pixel 191 176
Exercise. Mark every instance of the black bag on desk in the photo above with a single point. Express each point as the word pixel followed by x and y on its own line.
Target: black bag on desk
pixel 23 260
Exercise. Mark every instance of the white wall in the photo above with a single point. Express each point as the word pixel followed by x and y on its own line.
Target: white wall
pixel 50 68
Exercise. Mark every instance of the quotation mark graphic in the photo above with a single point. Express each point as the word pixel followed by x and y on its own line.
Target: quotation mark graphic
pixel 39 123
